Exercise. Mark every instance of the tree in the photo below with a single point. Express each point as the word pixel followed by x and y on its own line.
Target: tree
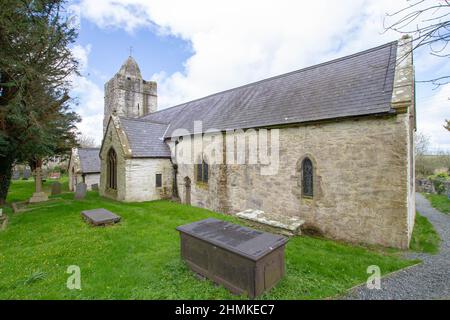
pixel 422 144
pixel 427 21
pixel 35 68
pixel 86 141
pixel 422 147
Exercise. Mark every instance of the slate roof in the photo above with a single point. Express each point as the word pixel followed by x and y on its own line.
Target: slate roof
pixel 355 85
pixel 145 138
pixel 89 160
pixel 163 116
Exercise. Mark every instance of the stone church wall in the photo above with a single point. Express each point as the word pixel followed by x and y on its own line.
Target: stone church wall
pixel 111 139
pixel 141 179
pixel 362 189
pixel 91 178
pixel 136 177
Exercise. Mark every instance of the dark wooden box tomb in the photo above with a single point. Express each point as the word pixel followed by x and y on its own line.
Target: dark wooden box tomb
pixel 241 259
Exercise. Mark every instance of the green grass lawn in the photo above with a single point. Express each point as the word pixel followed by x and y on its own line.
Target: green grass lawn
pixel 439 202
pixel 139 258
pixel 424 237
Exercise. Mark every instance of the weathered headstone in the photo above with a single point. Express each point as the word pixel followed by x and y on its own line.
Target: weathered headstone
pixel 26 174
pixel 80 191
pixel 94 187
pixel 15 175
pixel 56 188
pixel 38 195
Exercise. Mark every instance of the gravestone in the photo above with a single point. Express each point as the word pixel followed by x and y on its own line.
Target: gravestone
pixel 94 187
pixel 80 191
pixel 15 175
pixel 26 174
pixel 56 188
pixel 100 217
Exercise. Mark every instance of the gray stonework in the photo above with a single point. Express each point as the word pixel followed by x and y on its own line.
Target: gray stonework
pixel 128 95
pixel 361 181
pixel 282 224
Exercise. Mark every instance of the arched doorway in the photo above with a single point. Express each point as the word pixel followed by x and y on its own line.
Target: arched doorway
pixel 187 190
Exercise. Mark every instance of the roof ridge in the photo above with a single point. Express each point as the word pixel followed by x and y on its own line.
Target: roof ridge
pixel 184 104
pixel 140 119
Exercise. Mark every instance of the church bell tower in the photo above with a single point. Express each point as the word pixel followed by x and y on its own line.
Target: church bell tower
pixel 128 95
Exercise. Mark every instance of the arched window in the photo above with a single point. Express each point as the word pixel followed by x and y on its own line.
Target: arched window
pixel 202 171
pixel 112 169
pixel 307 178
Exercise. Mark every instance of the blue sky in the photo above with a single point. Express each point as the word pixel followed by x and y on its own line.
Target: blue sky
pixel 110 47
pixel 199 47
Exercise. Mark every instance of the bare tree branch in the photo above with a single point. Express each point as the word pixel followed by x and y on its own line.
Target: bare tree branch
pixel 427 21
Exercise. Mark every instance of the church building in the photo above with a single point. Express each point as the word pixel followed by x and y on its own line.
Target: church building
pixel 84 167
pixel 331 144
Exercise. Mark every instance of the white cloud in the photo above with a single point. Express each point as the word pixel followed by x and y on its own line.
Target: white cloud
pixel 237 42
pixel 89 96
pixel 128 15
pixel 431 112
pixel 81 54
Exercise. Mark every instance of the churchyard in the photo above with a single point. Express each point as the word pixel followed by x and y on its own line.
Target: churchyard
pixel 139 258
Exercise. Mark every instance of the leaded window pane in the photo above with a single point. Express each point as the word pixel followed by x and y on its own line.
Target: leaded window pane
pixel 199 172
pixel 307 176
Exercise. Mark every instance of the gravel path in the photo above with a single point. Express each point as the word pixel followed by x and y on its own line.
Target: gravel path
pixel 428 280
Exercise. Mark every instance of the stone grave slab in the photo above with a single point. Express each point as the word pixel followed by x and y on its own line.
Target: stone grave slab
pixel 80 191
pixel 100 217
pixel 94 187
pixel 285 225
pixel 38 197
pixel 19 207
pixel 56 188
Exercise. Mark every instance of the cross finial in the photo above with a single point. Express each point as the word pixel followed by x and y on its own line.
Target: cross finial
pixel 131 51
